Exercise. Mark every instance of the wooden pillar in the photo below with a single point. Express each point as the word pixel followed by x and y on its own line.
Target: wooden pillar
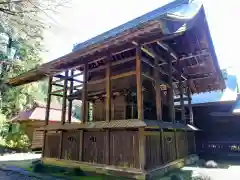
pixel 157 91
pixel 171 104
pixel 81 146
pixel 47 112
pixel 64 109
pixel 140 107
pixel 139 84
pixel 70 100
pixel 159 104
pixel 108 90
pixel 84 95
pixel 189 102
pixel 84 115
pixel 170 93
pixel 190 110
pixel 180 87
pixel 108 105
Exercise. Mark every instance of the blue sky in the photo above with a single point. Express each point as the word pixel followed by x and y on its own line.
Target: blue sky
pixel 86 19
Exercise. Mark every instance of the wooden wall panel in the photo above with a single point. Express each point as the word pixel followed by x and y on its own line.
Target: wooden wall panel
pixel 190 139
pixel 153 151
pixel 37 141
pixel 98 110
pixel 119 108
pixel 52 145
pixel 71 144
pixel 169 147
pixel 94 147
pixel 124 148
pixel 182 144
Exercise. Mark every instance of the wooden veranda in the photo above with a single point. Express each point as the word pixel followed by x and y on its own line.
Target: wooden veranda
pixel 127 79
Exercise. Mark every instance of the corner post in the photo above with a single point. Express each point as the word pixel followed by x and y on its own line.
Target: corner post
pixel 170 93
pixel 84 114
pixel 159 103
pixel 171 103
pixel 70 100
pixel 140 107
pixel 189 94
pixel 64 109
pixel 157 91
pixel 47 113
pixel 108 90
pixel 180 87
pixel 84 95
pixel 108 104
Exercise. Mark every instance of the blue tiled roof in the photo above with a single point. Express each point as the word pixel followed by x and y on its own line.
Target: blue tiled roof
pixel 229 94
pixel 180 10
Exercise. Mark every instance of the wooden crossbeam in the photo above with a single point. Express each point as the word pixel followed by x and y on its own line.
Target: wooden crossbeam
pixel 68 88
pixel 171 53
pixel 117 62
pixel 156 67
pixel 154 55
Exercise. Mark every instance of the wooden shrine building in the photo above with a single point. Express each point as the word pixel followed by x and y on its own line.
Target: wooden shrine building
pixel 216 114
pixel 126 79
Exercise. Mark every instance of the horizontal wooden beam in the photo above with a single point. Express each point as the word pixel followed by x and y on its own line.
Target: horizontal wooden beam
pixel 69 79
pixel 178 99
pixel 75 87
pixel 156 67
pixel 172 54
pixel 155 55
pixel 122 75
pixel 152 79
pixel 96 81
pixel 189 56
pixel 58 95
pixel 117 62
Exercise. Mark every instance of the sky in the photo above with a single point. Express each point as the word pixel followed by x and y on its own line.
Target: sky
pixel 86 19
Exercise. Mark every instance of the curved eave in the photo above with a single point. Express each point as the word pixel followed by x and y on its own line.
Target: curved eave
pixel 170 21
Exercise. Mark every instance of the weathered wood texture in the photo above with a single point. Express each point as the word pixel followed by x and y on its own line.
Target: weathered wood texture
pixel 124 148
pixel 169 147
pixel 182 144
pixel 191 142
pixel 52 145
pixel 120 147
pixel 153 151
pixel 37 141
pixel 94 147
pixel 71 142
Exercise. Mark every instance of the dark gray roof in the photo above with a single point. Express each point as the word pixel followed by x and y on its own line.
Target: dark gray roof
pixel 180 10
